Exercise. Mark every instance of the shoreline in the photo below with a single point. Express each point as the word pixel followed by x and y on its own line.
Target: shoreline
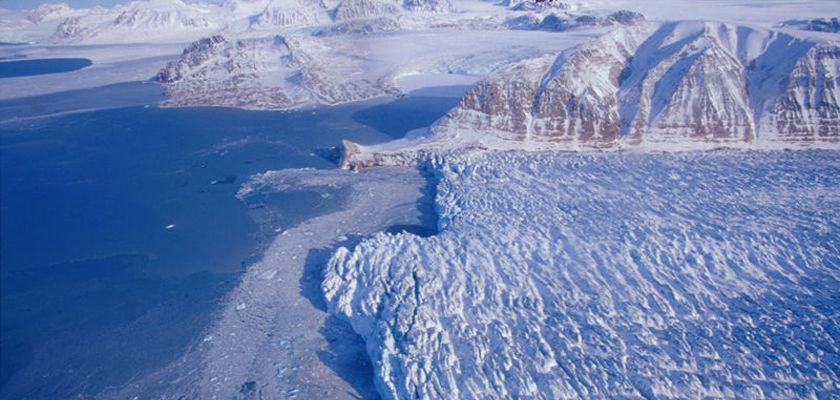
pixel 273 336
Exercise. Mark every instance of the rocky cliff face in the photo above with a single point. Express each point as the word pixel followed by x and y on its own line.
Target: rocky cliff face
pixel 273 73
pixel 215 71
pixel 193 57
pixel 427 5
pixel 283 13
pixel 47 12
pixel 808 107
pixel 553 99
pixel 164 20
pixel 534 5
pixel 72 29
pixel 565 20
pixel 358 9
pixel 663 83
pixel 817 25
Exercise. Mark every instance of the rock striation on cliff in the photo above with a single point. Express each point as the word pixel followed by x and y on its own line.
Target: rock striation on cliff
pixel 681 82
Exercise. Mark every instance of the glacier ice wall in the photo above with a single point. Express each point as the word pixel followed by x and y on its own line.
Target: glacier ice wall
pixel 683 275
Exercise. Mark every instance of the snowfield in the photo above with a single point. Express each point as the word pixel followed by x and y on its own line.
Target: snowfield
pixel 594 275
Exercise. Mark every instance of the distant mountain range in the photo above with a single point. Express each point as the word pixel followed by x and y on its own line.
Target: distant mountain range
pixel 166 20
pixel 137 21
pixel 275 72
pixel 639 84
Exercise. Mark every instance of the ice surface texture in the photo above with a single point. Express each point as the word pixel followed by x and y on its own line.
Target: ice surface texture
pixel 569 275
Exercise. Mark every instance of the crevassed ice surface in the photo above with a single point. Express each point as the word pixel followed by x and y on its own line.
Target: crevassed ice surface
pixel 563 275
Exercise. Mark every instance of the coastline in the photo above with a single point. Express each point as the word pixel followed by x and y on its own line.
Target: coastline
pixel 274 337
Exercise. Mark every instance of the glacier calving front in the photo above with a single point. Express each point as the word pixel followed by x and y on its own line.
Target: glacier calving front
pixel 605 275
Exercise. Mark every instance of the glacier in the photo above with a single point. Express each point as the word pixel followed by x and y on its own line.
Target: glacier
pixel 594 275
pixel 622 272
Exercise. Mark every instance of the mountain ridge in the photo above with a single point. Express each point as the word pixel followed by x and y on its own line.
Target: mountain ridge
pixel 659 86
pixel 649 83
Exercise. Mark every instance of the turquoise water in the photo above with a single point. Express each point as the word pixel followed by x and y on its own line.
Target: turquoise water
pixel 120 230
pixel 11 69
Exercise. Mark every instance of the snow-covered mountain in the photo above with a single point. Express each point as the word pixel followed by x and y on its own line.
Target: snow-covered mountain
pixel 564 21
pixel 135 22
pixel 179 20
pixel 279 72
pixel 817 25
pixel 663 83
pixel 338 63
pixel 428 5
pixel 528 5
pixel 358 9
pixel 51 11
pixel 288 13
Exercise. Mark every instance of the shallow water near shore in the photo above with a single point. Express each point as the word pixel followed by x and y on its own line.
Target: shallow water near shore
pixel 122 233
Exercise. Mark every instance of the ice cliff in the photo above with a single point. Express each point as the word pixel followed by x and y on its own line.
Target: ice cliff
pixel 604 275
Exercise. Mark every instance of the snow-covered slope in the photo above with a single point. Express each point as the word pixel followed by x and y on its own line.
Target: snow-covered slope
pixel 817 25
pixel 358 9
pixel 278 72
pixel 184 21
pixel 764 13
pixel 288 13
pixel 608 275
pixel 663 83
pixel 564 21
pixel 329 68
pixel 17 27
pixel 50 12
pixel 136 22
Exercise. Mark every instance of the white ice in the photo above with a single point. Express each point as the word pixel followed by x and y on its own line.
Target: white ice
pixel 604 275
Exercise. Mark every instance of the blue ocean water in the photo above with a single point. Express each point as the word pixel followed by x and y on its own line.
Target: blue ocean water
pixel 110 96
pixel 11 69
pixel 120 232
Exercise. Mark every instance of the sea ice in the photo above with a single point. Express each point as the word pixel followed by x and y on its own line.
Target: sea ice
pixel 273 337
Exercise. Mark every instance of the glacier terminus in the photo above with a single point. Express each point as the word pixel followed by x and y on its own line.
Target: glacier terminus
pixel 419 199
